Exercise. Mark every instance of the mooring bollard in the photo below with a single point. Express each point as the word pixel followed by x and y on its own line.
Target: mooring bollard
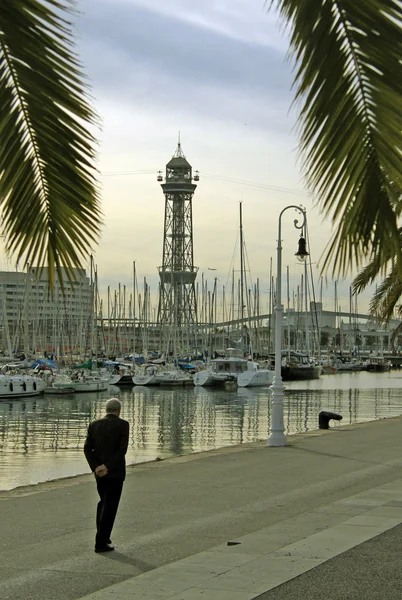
pixel 325 417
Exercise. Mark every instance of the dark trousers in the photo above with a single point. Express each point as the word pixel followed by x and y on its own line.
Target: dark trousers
pixel 109 491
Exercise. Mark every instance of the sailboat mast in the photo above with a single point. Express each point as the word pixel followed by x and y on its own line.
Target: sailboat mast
pixel 350 321
pixel 241 267
pixel 95 338
pixel 26 313
pixel 306 311
pixel 223 306
pixel 134 291
pixel 335 309
pixel 92 324
pixel 288 307
pixel 233 299
pixel 270 305
pixel 109 326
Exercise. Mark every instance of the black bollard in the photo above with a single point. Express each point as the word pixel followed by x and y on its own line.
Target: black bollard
pixel 324 418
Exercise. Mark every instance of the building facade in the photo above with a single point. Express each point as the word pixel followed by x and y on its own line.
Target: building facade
pixel 33 320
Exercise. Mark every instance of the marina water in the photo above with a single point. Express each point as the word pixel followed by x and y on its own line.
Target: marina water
pixel 41 438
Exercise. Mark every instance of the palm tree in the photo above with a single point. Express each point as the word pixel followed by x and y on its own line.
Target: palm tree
pixel 348 80
pixel 49 200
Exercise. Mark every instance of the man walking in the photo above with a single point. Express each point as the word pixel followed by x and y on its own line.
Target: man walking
pixel 105 449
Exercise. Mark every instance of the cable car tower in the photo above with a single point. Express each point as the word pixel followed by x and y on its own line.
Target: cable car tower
pixel 177 298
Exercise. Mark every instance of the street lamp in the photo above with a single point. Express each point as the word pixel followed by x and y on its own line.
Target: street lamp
pixel 277 435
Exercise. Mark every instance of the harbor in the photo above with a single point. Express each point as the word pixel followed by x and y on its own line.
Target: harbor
pixel 201 366
pixel 42 437
pixel 260 382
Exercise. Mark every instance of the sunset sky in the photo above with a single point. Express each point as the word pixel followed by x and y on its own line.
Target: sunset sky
pixel 216 70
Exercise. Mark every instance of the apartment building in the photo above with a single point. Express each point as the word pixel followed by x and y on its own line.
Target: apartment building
pixel 33 320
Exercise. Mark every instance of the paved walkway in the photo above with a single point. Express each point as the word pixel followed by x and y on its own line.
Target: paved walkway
pixel 264 560
pixel 317 519
pixel 370 571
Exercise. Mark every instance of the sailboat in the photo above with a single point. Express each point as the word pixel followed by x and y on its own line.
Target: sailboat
pixel 159 371
pixel 87 381
pixel 122 373
pixel 146 377
pixel 237 366
pixel 296 365
pixel 20 385
pixel 378 364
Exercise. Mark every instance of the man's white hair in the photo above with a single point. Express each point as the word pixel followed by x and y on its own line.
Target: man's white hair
pixel 113 405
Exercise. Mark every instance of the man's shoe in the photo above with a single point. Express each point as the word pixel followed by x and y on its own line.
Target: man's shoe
pixel 105 548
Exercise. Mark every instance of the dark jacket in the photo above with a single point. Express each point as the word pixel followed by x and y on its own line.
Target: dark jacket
pixel 106 444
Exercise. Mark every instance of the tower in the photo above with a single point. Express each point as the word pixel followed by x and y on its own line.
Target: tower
pixel 177 298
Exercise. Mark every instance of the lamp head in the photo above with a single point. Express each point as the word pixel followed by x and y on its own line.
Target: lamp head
pixel 302 253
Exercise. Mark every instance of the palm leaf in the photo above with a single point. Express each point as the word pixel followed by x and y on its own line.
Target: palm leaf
pixel 348 80
pixel 48 195
pixel 386 297
pixel 377 267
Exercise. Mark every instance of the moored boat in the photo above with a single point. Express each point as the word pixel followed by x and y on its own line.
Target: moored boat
pixel 298 366
pixel 174 377
pixel 204 377
pixel 378 364
pixel 84 381
pixel 19 386
pixel 255 377
pixel 328 369
pixel 122 374
pixel 59 390
pixel 236 368
pixel 146 377
pixel 347 366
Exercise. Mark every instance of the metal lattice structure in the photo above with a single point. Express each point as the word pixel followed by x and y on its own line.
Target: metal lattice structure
pixel 177 297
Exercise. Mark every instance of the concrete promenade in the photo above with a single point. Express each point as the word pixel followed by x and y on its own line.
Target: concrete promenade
pixel 319 518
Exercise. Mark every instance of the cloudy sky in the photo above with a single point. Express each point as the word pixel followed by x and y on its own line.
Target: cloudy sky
pixel 216 70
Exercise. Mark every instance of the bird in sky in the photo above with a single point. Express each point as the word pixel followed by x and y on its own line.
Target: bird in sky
pixel 209 269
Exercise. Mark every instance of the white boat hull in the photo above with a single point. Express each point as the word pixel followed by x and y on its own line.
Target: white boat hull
pixel 227 372
pixel 145 379
pixel 20 386
pixel 91 386
pixel 59 390
pixel 224 378
pixel 204 378
pixel 257 378
pixel 173 378
pixel 121 379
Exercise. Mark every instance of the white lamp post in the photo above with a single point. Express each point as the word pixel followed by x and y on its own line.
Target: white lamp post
pixel 277 435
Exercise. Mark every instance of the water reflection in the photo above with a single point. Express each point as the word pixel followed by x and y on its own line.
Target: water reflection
pixel 41 438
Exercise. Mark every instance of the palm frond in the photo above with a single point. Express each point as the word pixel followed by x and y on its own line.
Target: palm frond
pixel 348 79
pixel 377 267
pixel 48 191
pixel 387 296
